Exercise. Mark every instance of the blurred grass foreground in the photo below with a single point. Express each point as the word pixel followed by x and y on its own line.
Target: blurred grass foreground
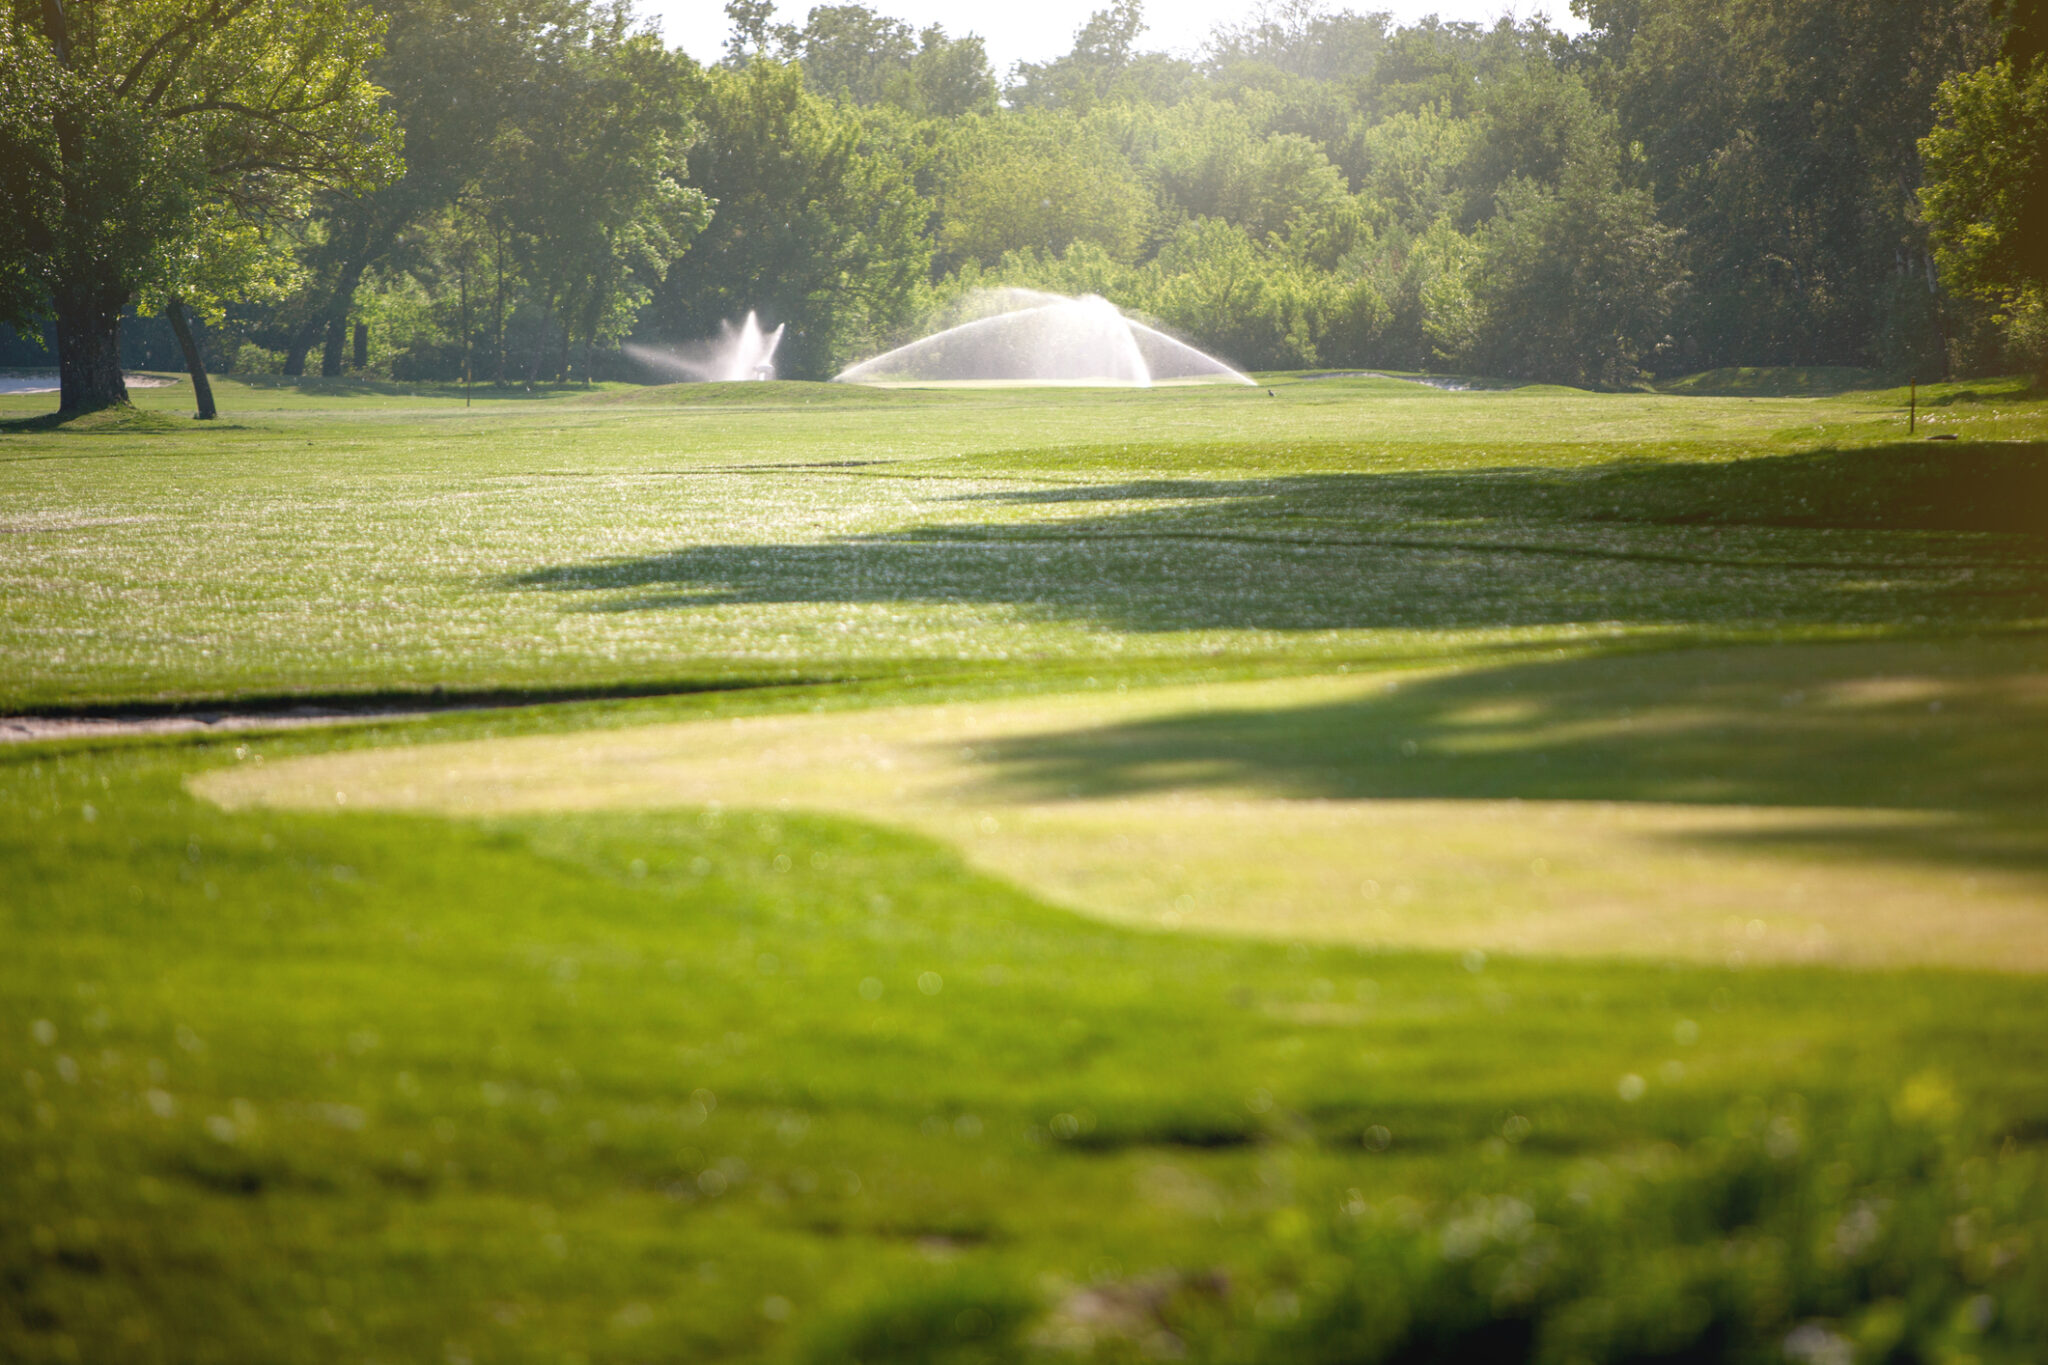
pixel 1339 871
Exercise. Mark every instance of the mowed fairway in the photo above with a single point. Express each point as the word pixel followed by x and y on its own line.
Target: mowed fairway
pixel 1000 876
pixel 371 545
pixel 1336 808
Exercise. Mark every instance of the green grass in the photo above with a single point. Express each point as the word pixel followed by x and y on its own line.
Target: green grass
pixel 1775 381
pixel 685 1082
pixel 314 545
pixel 1504 809
pixel 428 1081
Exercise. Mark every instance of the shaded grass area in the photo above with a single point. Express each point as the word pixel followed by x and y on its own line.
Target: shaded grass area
pixel 1909 726
pixel 705 1083
pixel 119 421
pixel 1951 735
pixel 1873 536
pixel 1775 381
pixel 369 705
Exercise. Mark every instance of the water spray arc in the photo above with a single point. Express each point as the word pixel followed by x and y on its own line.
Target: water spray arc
pixel 1022 336
pixel 744 352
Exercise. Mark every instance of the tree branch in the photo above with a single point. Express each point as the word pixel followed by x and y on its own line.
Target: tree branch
pixel 190 32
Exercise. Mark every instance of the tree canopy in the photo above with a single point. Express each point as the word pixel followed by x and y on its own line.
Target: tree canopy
pixel 142 138
pixel 1987 192
pixel 1690 184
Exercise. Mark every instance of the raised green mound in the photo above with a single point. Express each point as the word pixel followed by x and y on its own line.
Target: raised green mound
pixel 128 421
pixel 1775 381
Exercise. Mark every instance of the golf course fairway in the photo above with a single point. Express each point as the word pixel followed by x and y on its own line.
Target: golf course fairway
pixel 1337 871
pixel 1253 807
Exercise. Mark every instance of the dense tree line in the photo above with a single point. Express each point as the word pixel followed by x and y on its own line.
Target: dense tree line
pixel 1691 184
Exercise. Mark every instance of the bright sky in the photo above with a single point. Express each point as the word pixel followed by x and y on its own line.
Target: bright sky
pixel 1038 29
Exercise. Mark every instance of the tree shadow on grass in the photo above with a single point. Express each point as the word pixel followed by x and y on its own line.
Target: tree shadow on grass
pixel 114 421
pixel 1775 381
pixel 1949 734
pixel 369 386
pixel 1992 487
pixel 1908 534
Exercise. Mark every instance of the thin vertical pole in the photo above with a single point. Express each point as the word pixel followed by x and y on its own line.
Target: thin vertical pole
pixel 465 325
pixel 1912 406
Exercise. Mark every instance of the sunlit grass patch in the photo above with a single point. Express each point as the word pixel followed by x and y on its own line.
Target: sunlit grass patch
pixel 1860 804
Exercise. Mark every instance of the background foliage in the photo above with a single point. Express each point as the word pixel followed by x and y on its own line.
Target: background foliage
pixel 1692 184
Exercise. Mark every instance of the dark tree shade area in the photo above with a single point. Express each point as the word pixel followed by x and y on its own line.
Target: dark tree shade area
pixel 1688 185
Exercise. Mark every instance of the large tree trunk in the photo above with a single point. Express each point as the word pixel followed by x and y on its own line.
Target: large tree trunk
pixel 337 341
pixel 89 351
pixel 295 354
pixel 195 364
pixel 362 346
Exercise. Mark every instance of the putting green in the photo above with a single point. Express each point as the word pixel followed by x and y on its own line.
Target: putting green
pixel 1865 805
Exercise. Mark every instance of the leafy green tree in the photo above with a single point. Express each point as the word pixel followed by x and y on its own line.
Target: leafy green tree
pixel 851 51
pixel 1257 307
pixel 1575 284
pixel 1411 161
pixel 1986 196
pixel 1084 268
pixel 1442 270
pixel 1038 180
pixel 1105 48
pixel 815 226
pixel 591 183
pixel 949 77
pixel 230 259
pixel 130 131
pixel 460 75
pixel 1301 38
pixel 1207 159
pixel 1430 65
pixel 1783 139
pixel 1423 280
pixel 1535 124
